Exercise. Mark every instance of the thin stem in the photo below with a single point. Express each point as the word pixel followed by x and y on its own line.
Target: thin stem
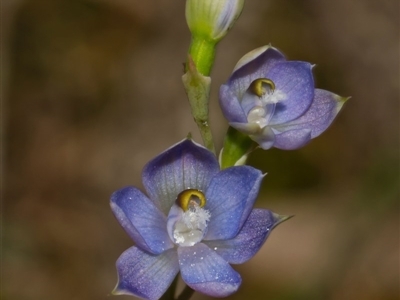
pixel 186 293
pixel 170 293
pixel 201 58
pixel 206 134
pixel 237 147
pixel 197 88
pixel 202 52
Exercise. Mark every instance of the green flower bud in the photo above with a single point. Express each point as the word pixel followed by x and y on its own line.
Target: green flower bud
pixel 212 19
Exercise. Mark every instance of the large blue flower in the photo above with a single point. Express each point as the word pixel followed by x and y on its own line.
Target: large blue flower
pixel 196 219
pixel 274 101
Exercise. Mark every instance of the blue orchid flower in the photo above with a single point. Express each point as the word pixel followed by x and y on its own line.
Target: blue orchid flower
pixel 274 101
pixel 196 220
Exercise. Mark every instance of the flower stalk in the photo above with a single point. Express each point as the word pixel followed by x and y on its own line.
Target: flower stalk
pixel 237 147
pixel 208 21
pixel 170 293
pixel 186 294
pixel 197 89
pixel 202 52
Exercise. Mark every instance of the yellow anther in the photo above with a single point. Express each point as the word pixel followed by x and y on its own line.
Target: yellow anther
pixel 190 198
pixel 261 86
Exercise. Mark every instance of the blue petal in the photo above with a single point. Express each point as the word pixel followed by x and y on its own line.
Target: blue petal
pixel 250 238
pixel 230 105
pixel 141 219
pixel 206 272
pixel 184 165
pixel 145 276
pixel 295 80
pixel 319 116
pixel 265 139
pixel 292 139
pixel 252 69
pixel 230 198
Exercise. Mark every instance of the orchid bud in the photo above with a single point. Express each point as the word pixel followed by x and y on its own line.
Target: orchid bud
pixel 212 19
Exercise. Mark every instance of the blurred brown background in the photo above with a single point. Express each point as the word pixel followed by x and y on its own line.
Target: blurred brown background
pixel 92 92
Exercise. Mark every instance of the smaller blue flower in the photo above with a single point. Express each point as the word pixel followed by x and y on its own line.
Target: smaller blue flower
pixel 196 220
pixel 274 101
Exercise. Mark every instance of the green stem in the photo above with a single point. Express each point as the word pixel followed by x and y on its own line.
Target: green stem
pixel 170 293
pixel 201 60
pixel 206 135
pixel 197 88
pixel 186 293
pixel 202 52
pixel 237 146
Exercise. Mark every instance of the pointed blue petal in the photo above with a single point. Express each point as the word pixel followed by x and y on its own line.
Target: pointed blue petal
pixel 230 198
pixel 141 219
pixel 184 165
pixel 251 237
pixel 292 139
pixel 206 272
pixel 145 276
pixel 319 116
pixel 295 81
pixel 230 105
